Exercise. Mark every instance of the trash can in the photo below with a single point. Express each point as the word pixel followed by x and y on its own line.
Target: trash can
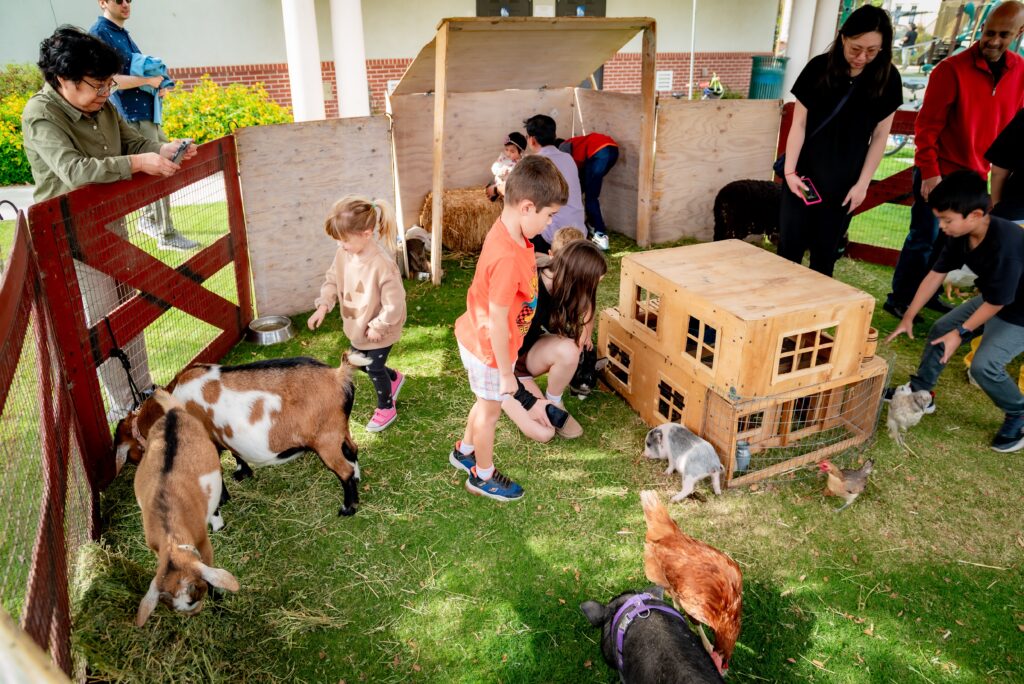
pixel 766 77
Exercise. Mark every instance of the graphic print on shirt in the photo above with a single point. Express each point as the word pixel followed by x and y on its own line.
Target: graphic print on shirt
pixel 525 316
pixel 351 307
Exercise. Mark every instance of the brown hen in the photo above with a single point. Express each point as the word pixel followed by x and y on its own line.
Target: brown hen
pixel 704 582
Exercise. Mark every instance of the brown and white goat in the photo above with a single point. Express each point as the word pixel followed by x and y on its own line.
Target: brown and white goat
pixel 266 413
pixel 178 486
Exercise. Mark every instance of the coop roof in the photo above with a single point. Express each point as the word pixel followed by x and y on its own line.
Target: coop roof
pixel 520 53
pixel 747 281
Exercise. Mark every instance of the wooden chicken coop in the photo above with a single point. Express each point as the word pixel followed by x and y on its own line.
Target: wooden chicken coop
pixel 736 344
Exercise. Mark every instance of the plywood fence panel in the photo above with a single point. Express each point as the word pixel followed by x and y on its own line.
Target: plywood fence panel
pixel 617 115
pixel 290 175
pixel 476 125
pixel 702 146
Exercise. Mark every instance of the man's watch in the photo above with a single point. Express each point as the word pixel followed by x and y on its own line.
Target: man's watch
pixel 962 331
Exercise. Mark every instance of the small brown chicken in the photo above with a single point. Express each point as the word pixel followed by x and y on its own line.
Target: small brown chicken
pixel 846 483
pixel 704 582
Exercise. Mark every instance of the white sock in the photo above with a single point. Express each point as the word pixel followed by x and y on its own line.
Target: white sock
pixel 484 473
pixel 554 398
pixel 465 449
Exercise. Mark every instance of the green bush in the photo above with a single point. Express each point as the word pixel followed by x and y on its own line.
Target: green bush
pixel 210 111
pixel 14 169
pixel 18 79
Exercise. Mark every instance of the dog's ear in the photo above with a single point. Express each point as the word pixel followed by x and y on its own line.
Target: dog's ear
pixel 595 613
pixel 656 591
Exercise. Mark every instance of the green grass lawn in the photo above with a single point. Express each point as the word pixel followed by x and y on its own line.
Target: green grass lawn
pixel 919 581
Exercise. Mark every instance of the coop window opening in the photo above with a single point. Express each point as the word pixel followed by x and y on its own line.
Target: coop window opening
pixel 806 350
pixel 806 412
pixel 619 359
pixel 670 403
pixel 646 308
pixel 750 422
pixel 701 341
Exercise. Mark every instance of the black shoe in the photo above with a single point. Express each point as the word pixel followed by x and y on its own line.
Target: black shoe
pixel 899 311
pixel 937 304
pixel 1011 435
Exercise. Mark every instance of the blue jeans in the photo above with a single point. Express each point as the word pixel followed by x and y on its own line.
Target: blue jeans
pixel 1001 343
pixel 919 249
pixel 591 178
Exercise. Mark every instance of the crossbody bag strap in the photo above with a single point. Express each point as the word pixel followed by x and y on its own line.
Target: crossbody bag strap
pixel 834 112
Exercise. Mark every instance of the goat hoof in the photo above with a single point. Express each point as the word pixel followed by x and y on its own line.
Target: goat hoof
pixel 351 510
pixel 240 475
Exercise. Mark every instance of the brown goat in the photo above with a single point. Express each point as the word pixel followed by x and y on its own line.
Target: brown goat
pixel 178 486
pixel 266 413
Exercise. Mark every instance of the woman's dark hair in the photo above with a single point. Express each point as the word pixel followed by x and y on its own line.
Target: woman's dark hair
pixel 876 74
pixel 575 272
pixel 962 191
pixel 72 54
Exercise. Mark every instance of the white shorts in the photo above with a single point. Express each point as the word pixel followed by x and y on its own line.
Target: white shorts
pixel 483 380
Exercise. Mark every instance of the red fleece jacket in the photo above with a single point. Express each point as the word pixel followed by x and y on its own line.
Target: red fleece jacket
pixel 963 112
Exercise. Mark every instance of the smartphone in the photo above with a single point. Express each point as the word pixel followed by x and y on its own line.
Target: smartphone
pixel 811 195
pixel 180 152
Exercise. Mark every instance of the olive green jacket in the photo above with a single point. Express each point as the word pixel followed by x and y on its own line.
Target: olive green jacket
pixel 68 148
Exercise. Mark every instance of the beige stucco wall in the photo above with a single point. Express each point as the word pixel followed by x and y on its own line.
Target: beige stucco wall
pixel 203 33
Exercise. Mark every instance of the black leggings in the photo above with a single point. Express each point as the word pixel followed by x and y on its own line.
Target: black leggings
pixel 380 375
pixel 819 228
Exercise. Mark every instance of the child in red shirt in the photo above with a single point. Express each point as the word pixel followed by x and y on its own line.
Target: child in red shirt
pixel 499 308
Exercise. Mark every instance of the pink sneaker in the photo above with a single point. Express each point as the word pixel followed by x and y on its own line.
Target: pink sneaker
pixel 381 419
pixel 396 385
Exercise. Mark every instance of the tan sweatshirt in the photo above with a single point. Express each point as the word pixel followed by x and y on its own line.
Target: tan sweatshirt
pixel 371 292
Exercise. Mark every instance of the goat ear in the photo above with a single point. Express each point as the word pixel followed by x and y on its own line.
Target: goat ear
pixel 221 579
pixel 147 604
pixel 594 611
pixel 601 363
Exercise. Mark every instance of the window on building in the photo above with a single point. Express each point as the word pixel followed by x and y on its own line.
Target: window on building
pixel 751 421
pixel 804 350
pixel 619 359
pixel 671 403
pixel 701 339
pixel 806 411
pixel 504 8
pixel 646 308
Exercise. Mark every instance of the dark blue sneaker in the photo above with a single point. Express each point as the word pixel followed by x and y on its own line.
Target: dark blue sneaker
pixel 1011 435
pixel 499 487
pixel 461 460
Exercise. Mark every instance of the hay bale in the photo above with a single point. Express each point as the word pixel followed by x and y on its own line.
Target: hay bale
pixel 467 216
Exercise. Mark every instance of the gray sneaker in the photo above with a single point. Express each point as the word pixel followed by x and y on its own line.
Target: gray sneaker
pixel 177 242
pixel 601 240
pixel 149 227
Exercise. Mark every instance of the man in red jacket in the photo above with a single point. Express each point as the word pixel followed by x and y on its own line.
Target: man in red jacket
pixel 595 154
pixel 970 98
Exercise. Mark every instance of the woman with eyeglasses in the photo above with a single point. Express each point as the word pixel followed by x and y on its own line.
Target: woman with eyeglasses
pixel 846 100
pixel 74 136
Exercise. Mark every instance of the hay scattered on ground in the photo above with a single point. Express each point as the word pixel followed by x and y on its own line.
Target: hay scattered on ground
pixel 467 216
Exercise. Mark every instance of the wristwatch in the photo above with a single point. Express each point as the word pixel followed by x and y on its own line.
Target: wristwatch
pixel 962 331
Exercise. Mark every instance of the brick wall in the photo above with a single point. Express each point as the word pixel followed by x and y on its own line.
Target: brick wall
pixel 621 74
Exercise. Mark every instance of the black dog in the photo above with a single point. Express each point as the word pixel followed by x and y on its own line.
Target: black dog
pixel 747 207
pixel 584 380
pixel 646 640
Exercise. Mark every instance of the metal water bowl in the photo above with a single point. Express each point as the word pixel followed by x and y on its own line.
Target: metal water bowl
pixel 267 330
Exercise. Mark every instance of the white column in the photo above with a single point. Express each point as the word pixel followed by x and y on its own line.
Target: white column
pixel 826 24
pixel 349 58
pixel 303 50
pixel 798 48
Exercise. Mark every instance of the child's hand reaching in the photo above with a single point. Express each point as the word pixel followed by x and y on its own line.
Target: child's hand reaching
pixel 374 335
pixel 317 318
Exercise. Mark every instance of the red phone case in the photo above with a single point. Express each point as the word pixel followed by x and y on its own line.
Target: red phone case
pixel 817 195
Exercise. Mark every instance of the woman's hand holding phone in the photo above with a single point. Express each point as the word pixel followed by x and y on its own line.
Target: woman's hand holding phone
pixel 796 185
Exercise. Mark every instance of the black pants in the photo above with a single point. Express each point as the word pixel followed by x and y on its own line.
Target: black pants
pixel 819 228
pixel 380 375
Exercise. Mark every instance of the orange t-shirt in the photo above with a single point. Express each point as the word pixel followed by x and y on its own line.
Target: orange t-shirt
pixel 506 275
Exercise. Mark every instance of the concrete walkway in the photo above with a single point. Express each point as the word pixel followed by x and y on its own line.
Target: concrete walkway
pixel 20 195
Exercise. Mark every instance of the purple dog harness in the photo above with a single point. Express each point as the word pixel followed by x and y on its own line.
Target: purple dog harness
pixel 633 609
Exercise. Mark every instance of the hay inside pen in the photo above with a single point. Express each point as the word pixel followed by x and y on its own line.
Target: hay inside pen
pixel 467 216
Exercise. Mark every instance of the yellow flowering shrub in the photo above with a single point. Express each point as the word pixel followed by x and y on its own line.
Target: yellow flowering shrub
pixel 14 169
pixel 210 111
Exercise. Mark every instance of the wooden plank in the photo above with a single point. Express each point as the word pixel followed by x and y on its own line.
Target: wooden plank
pixel 285 212
pixel 795 463
pixel 702 146
pixel 648 117
pixel 476 123
pixel 615 114
pixel 437 180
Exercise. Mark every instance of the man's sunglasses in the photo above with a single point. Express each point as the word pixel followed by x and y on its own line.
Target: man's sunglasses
pixel 121 2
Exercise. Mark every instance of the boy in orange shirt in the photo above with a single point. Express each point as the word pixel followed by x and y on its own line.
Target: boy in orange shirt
pixel 499 307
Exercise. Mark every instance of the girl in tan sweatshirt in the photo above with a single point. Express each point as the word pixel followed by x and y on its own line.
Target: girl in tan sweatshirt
pixel 365 278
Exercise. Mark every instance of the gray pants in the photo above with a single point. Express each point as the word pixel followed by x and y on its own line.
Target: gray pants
pixel 158 214
pixel 101 294
pixel 1000 344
